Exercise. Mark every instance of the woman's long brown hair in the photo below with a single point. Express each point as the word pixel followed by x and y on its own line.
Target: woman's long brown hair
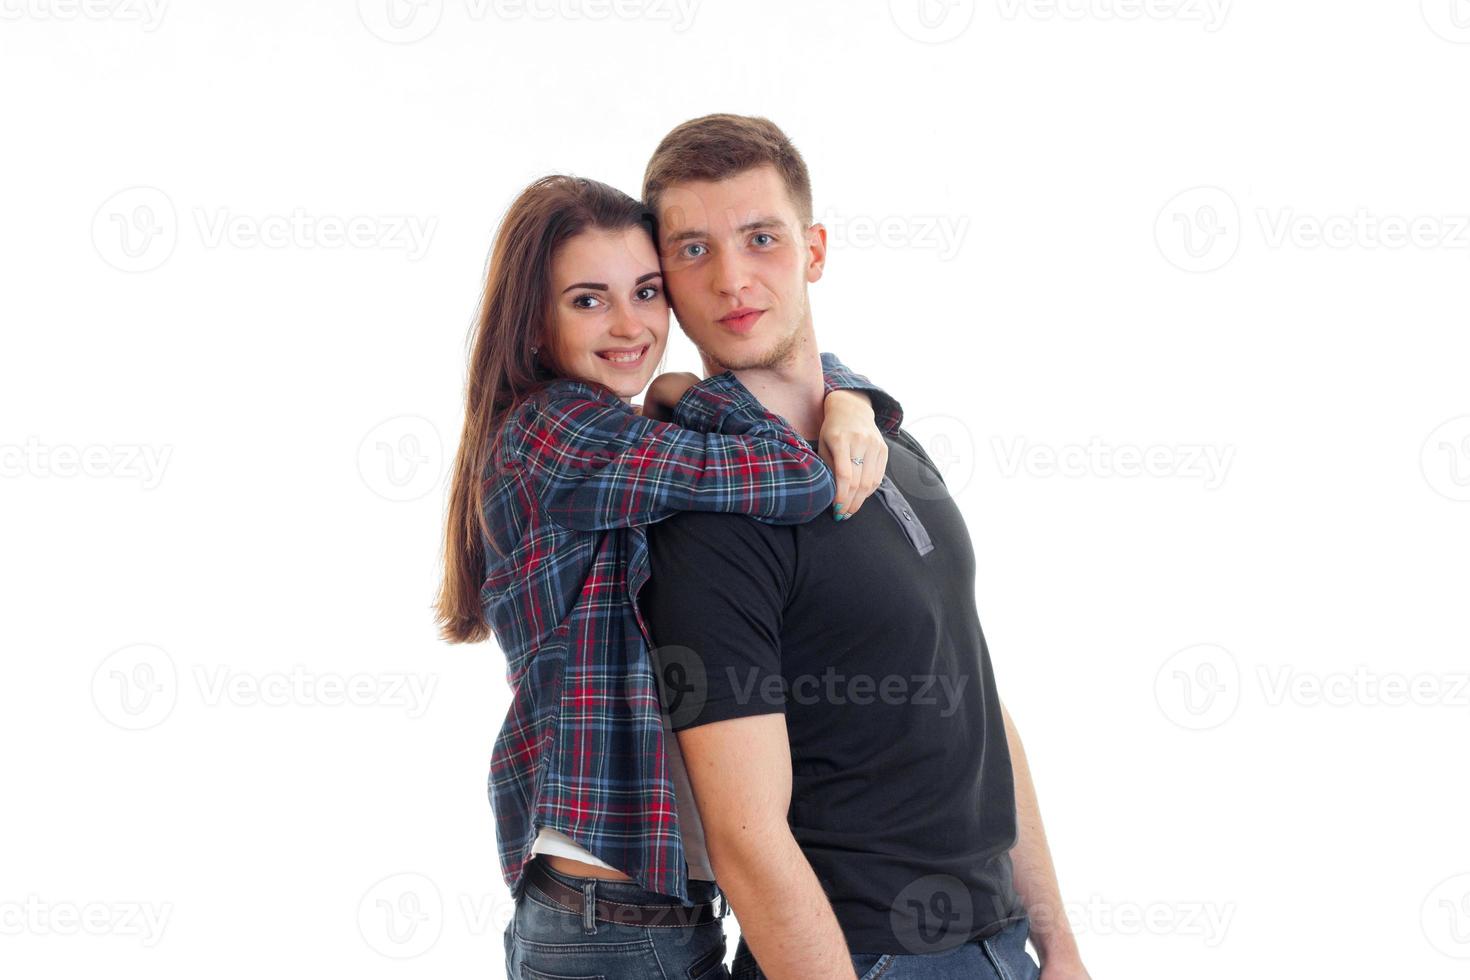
pixel 514 317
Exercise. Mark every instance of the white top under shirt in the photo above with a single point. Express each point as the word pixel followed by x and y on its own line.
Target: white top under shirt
pixel 550 841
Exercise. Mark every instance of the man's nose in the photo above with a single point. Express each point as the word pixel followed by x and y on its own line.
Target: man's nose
pixel 730 274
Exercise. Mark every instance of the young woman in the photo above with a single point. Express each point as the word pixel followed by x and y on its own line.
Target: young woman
pixel 557 475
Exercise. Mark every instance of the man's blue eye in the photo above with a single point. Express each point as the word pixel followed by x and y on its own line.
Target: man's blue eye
pixel 689 251
pixel 768 238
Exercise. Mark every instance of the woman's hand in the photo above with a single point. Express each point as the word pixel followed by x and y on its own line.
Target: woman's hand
pixel 849 432
pixel 664 393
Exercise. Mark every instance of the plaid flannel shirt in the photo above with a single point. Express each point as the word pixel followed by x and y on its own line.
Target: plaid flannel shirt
pixel 577 475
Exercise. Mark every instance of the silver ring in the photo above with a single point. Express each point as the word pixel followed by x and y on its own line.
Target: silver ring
pixel 856 460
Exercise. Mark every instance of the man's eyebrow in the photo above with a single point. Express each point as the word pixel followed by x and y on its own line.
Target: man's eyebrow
pixel 603 286
pixel 761 222
pixel 754 224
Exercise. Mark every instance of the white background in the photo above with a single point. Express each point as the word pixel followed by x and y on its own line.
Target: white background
pixel 1066 237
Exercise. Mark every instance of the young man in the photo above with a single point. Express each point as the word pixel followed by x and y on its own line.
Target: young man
pixel 858 782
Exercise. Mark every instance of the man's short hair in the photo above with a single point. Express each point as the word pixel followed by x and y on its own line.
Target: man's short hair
pixel 719 146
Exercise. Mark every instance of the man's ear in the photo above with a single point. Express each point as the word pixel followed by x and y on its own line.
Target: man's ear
pixel 816 243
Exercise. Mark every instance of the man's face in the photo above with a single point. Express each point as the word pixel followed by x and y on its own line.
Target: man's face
pixel 737 260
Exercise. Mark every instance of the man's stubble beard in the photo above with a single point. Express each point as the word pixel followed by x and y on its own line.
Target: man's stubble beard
pixel 782 353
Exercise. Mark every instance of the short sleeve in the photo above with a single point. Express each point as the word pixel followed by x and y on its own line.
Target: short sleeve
pixel 713 605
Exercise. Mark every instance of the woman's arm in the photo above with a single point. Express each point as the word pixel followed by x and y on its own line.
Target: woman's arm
pixel 856 415
pixel 596 465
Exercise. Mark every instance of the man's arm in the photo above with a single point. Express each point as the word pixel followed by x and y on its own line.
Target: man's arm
pixel 1035 877
pixel 740 771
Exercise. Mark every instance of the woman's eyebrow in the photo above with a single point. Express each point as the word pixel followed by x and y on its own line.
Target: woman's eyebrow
pixel 603 286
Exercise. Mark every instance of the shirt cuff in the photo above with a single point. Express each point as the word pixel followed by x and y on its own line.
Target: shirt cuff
pixel 887 412
pixel 706 405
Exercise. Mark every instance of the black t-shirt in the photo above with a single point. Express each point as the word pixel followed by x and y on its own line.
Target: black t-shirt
pixel 865 633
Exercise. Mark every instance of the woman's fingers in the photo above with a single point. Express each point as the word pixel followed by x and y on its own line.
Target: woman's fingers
pixel 860 484
pixel 872 452
pixel 845 475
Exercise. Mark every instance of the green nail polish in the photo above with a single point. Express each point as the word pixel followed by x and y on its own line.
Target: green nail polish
pixel 836 506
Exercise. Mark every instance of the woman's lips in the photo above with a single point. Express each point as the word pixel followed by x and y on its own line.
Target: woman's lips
pixel 626 357
pixel 741 321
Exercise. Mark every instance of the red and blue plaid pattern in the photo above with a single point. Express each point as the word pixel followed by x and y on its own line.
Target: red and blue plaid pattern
pixel 577 476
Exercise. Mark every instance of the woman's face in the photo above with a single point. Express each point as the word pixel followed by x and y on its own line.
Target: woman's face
pixel 610 318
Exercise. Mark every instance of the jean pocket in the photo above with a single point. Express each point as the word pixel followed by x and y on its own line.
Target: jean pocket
pixel 529 974
pixel 710 966
pixel 870 966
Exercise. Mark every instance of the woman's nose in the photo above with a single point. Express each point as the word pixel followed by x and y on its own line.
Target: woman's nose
pixel 625 324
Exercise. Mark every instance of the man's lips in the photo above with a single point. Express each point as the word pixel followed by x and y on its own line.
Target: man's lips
pixel 741 320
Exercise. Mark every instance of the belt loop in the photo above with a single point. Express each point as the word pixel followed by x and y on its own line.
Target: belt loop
pixel 589 906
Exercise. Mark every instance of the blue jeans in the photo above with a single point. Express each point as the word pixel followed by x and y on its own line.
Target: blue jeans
pixel 1002 956
pixel 544 941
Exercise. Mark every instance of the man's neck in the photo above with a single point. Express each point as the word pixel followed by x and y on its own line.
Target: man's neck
pixel 793 389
